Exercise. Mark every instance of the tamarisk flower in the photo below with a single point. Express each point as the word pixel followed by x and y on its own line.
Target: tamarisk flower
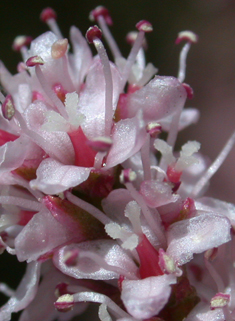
pixel 98 204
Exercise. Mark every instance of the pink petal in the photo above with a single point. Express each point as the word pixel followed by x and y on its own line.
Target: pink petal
pixel 161 97
pixel 188 117
pixel 157 193
pixel 196 235
pixel 86 268
pixel 82 58
pixel 42 234
pixel 145 298
pixel 214 205
pixel 56 144
pixel 128 137
pixel 24 294
pixel 92 99
pixel 54 177
pixel 42 307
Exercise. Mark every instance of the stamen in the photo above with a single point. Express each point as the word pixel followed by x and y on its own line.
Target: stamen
pixel 60 92
pixel 143 26
pixel 153 222
pixel 127 176
pixel 145 157
pixel 101 298
pixel 103 264
pixel 154 129
pixel 49 92
pixel 34 61
pixel 132 211
pixel 21 67
pixel 93 35
pixel 190 37
pixel 4 288
pixel 214 167
pixel 65 303
pixel 20 44
pixel 215 275
pixel 220 300
pixel 102 16
pixel 88 208
pixel 49 16
pixel 189 90
pixel 101 144
pixel 21 202
pixel 8 108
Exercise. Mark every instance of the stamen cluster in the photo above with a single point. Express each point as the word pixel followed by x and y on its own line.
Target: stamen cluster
pixel 95 200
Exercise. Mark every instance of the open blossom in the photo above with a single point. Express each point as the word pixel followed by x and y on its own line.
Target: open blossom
pixel 101 207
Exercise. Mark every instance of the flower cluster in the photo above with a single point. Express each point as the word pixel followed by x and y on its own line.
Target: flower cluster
pixel 92 197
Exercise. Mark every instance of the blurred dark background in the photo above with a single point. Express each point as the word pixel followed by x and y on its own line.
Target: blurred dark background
pixel 211 62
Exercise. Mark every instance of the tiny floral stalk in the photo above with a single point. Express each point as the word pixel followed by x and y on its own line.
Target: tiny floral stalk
pixel 95 198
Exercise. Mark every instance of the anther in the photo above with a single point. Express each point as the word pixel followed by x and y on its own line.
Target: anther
pixel 101 144
pixel 189 90
pixel 21 41
pixel 61 289
pixel 186 35
pixel 34 61
pixel 59 48
pixel 70 258
pixel 154 129
pixel 8 109
pixel 64 303
pixel 127 176
pixel 60 92
pixel 48 13
pixel 101 11
pixel 190 37
pixel 131 38
pixel 220 300
pixel 102 17
pixel 144 25
pixel 93 33
pixel 21 67
pixel 49 16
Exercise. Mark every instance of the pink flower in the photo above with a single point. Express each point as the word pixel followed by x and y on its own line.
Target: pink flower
pixel 95 200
